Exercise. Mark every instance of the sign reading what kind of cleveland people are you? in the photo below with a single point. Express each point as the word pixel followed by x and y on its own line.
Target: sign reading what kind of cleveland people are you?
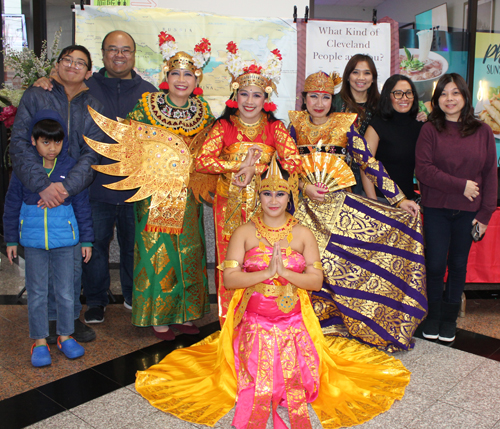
pixel 330 45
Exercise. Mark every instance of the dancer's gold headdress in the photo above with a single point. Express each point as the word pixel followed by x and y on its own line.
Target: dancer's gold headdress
pixel 321 82
pixel 274 181
pixel 175 59
pixel 245 73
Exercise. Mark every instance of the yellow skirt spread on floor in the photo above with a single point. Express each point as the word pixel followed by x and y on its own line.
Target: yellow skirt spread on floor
pixel 199 383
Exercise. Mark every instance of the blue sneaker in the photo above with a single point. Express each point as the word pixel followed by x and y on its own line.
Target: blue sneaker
pixel 70 348
pixel 40 356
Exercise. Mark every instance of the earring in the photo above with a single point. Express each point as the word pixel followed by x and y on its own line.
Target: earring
pixel 270 106
pixel 198 91
pixel 164 86
pixel 232 104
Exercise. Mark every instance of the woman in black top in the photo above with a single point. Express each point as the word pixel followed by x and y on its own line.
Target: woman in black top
pixel 393 133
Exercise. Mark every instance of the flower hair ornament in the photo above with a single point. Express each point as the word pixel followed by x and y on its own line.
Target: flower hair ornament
pixel 175 59
pixel 244 73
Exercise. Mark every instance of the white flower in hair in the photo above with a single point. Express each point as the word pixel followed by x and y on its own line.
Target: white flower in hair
pixel 272 67
pixel 202 53
pixel 167 45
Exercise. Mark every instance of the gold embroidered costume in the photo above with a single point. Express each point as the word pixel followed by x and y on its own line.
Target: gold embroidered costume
pixel 221 156
pixel 374 287
pixel 264 357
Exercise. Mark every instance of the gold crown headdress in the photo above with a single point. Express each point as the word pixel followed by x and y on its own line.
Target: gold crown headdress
pixel 321 82
pixel 175 59
pixel 274 181
pixel 244 73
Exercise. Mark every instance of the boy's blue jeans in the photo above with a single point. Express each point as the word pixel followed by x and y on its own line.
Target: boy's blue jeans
pixel 77 261
pixel 60 263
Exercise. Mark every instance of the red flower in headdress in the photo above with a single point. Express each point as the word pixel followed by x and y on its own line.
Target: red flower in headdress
pixel 164 37
pixel 277 53
pixel 253 68
pixel 232 48
pixel 203 46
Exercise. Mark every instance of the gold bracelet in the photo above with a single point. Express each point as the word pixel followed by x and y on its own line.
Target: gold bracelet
pixel 399 202
pixel 228 264
pixel 318 265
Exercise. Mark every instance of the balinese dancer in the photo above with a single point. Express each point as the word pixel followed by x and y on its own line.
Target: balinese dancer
pixel 170 275
pixel 239 148
pixel 374 287
pixel 271 350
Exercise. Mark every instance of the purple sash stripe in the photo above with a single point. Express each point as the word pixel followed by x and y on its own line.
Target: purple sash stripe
pixel 381 272
pixel 377 247
pixel 389 302
pixel 364 208
pixel 382 333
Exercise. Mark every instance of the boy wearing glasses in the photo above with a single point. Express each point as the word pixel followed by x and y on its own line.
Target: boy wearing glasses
pixel 70 98
pixel 118 87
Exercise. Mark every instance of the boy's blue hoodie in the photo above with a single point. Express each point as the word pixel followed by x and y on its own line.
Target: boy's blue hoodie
pixel 62 226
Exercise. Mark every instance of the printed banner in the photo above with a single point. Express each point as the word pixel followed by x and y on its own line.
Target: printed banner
pixel 331 44
pixel 486 89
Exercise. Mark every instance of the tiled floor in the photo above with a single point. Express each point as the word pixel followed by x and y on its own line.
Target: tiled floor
pixel 453 386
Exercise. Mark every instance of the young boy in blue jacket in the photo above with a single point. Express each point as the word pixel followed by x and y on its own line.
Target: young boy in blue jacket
pixel 49 237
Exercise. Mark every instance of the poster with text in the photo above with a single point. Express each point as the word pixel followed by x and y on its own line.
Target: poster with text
pixel 486 89
pixel 330 45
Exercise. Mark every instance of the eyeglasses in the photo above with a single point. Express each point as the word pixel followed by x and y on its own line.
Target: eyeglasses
pixel 77 64
pixel 399 94
pixel 126 52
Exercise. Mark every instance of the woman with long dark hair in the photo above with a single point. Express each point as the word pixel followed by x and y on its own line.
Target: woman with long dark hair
pixel 358 94
pixel 239 148
pixel 392 134
pixel 456 166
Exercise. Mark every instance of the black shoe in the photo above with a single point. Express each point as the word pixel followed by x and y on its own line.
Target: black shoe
pixel 431 329
pixel 83 333
pixel 95 314
pixel 52 338
pixel 448 326
pixel 447 331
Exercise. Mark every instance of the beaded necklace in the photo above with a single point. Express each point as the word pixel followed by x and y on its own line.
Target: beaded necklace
pixel 274 235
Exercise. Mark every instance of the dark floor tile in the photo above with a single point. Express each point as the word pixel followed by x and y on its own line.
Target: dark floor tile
pixel 26 409
pixel 158 351
pixel 482 294
pixel 123 369
pixel 13 300
pixel 79 388
pixel 477 344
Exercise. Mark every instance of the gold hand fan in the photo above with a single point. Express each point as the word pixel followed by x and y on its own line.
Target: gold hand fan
pixel 327 169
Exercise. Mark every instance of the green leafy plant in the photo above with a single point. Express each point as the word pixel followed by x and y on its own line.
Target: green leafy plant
pixel 411 63
pixel 27 65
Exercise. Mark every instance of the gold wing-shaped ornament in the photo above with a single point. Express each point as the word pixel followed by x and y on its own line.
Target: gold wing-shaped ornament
pixel 202 185
pixel 154 160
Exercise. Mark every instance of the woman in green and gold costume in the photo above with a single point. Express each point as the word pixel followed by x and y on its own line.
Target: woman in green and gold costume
pixel 170 273
pixel 374 287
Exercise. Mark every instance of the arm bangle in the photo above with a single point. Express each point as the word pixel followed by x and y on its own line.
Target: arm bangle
pixel 228 264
